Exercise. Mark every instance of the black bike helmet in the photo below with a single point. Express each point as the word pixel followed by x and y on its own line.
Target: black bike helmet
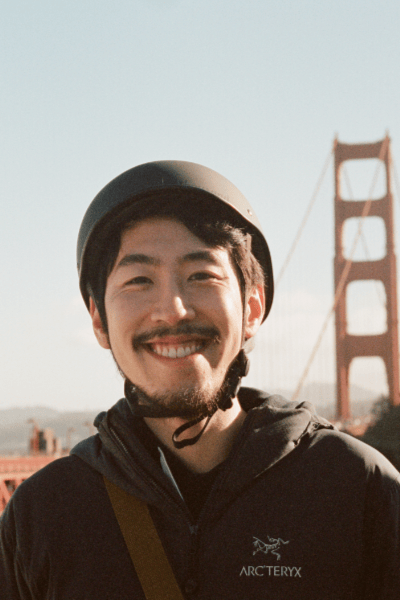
pixel 135 184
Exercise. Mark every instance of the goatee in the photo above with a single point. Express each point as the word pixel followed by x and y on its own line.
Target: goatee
pixel 186 404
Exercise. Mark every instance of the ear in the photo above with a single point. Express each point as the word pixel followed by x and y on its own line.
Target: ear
pixel 101 335
pixel 254 311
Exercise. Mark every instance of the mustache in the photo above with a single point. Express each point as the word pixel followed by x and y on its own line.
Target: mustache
pixel 210 333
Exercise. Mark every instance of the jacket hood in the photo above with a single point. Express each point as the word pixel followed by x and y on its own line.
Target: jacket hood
pixel 274 427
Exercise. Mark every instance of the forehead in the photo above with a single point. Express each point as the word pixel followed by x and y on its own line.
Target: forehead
pixel 160 234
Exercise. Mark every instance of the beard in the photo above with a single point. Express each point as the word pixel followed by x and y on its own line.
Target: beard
pixel 186 403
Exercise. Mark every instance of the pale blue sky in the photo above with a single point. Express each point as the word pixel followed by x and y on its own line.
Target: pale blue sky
pixel 256 90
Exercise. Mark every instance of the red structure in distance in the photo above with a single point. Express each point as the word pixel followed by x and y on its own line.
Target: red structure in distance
pixel 384 345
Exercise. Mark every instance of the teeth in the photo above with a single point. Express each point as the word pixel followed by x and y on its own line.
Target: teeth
pixel 179 352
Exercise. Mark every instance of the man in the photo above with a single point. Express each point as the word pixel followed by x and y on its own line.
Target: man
pixel 251 496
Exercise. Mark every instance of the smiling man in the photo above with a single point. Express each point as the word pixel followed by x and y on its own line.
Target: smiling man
pixel 172 325
pixel 196 487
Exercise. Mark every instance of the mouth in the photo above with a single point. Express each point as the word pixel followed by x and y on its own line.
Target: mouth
pixel 176 350
pixel 177 343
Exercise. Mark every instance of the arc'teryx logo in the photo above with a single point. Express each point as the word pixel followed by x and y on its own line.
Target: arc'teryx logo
pixel 273 546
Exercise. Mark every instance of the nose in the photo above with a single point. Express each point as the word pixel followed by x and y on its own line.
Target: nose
pixel 171 306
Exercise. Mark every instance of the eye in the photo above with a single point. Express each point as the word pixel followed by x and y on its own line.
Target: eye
pixel 201 276
pixel 139 280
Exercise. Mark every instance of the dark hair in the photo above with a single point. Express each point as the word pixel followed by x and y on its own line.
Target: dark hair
pixel 214 224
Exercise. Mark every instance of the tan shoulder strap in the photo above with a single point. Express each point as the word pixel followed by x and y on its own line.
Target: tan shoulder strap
pixel 144 545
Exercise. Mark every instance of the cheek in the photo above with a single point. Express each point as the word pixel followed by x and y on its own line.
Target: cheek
pixel 228 316
pixel 122 307
pixel 120 322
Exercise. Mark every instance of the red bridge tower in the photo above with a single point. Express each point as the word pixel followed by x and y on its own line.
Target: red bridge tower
pixel 384 345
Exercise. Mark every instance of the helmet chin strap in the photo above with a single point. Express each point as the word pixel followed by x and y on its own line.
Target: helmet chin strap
pixel 238 369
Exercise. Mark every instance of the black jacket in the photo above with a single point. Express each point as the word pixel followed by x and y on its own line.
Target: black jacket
pixel 298 512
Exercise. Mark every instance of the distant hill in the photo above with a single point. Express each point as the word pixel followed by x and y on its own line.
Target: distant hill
pixel 12 416
pixel 323 396
pixel 15 431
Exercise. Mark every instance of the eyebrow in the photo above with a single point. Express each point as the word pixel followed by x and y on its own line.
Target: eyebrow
pixel 201 255
pixel 145 259
pixel 132 259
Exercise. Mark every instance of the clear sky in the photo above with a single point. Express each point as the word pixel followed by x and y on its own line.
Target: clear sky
pixel 255 89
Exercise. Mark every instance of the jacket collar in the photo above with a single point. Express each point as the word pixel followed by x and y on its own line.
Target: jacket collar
pixel 126 451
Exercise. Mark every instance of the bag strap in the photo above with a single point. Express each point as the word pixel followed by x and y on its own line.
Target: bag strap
pixel 144 545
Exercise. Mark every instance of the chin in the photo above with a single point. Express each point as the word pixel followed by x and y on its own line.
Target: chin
pixel 182 402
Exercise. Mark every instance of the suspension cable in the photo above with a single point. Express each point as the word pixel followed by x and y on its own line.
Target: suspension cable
pixel 396 178
pixel 345 271
pixel 305 218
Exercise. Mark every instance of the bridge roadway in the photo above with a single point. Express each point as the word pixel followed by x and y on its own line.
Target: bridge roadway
pixel 14 470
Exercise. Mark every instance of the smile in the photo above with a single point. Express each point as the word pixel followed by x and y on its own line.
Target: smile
pixel 175 351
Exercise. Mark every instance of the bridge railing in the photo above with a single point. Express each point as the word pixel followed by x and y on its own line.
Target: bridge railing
pixel 14 470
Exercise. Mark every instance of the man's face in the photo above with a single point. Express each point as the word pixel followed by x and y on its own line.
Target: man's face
pixel 174 311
